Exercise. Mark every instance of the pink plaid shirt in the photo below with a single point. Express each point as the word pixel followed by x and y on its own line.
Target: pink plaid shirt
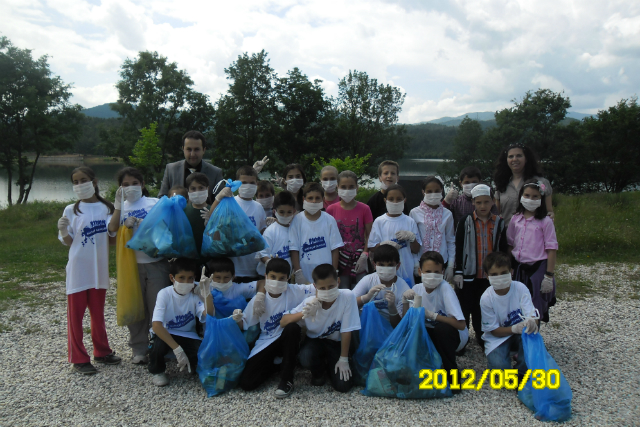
pixel 531 238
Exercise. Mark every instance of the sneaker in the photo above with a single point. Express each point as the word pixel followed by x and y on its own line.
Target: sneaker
pixel 85 368
pixel 317 381
pixel 160 380
pixel 109 359
pixel 284 390
pixel 140 359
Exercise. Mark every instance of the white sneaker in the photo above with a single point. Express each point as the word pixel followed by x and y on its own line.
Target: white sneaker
pixel 140 359
pixel 160 380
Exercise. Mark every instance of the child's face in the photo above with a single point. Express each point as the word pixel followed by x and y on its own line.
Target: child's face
pixel 430 266
pixel 313 197
pixel 432 187
pixel 263 194
pixel 389 175
pixel 128 180
pixel 470 180
pixel 197 186
pixel 394 196
pixel 248 179
pixel 483 205
pixel 81 178
pixel 531 193
pixel 183 276
pixel 280 277
pixel 222 276
pixel 498 271
pixel 326 284
pixel 294 174
pixel 387 264
pixel 285 210
pixel 328 175
pixel 347 184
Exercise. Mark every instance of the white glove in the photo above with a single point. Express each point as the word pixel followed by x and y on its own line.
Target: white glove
pixel 372 293
pixel 392 243
pixel 226 192
pixel 531 325
pixel 270 220
pixel 279 181
pixel 300 279
pixel 259 307
pixel 408 295
pixel 204 213
pixel 237 315
pixel 391 300
pixel 203 290
pixel 361 264
pixel 183 360
pixel 448 273
pixel 117 204
pixel 260 164
pixel 547 285
pixel 131 221
pixel 63 223
pixel 406 236
pixel 310 309
pixel 430 315
pixel 451 195
pixel 458 280
pixel 343 366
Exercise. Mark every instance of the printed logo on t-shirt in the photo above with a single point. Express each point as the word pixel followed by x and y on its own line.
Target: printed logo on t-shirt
pixel 381 304
pixel 314 244
pixel 253 220
pixel 335 326
pixel 283 253
pixel 403 243
pixel 273 323
pixel 138 213
pixel 99 226
pixel 351 233
pixel 513 318
pixel 180 321
pixel 433 322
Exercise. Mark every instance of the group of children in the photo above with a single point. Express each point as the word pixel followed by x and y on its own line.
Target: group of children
pixel 327 255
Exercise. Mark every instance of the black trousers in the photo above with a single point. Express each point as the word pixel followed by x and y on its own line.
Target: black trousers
pixel 320 356
pixel 260 367
pixel 446 338
pixel 469 297
pixel 159 349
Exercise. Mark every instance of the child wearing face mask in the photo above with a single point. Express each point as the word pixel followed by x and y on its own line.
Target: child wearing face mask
pixel 354 221
pixel 83 227
pixel 329 181
pixel 293 178
pixel 246 265
pixel 233 293
pixel 388 172
pixel 198 194
pixel 274 342
pixel 444 319
pixel 314 237
pixel 462 205
pixel 399 228
pixel 532 241
pixel 153 272
pixel 277 234
pixel 435 224
pixel 265 195
pixel 329 317
pixel 174 321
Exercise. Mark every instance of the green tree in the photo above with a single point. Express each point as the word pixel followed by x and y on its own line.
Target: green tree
pixel 466 150
pixel 36 115
pixel 358 165
pixel 147 153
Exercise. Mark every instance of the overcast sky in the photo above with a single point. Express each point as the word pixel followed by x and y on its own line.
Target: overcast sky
pixel 450 57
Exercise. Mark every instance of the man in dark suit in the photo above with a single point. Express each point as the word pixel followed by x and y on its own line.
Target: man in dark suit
pixel 194 146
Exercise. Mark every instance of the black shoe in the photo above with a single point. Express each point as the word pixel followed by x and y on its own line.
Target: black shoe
pixel 85 368
pixel 317 381
pixel 284 390
pixel 109 359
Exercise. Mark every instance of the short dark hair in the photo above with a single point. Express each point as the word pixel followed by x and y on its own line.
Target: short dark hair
pixel 311 187
pixel 285 198
pixel 470 172
pixel 198 177
pixel 431 256
pixel 278 265
pixel 194 134
pixel 266 186
pixel 396 187
pixel 428 180
pixel 388 163
pixel 247 171
pixel 541 212
pixel 179 189
pixel 386 253
pixel 132 172
pixel 218 265
pixel 498 259
pixel 324 271
pixel 183 264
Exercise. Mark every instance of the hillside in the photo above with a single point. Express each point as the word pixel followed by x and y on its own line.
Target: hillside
pixel 486 119
pixel 101 112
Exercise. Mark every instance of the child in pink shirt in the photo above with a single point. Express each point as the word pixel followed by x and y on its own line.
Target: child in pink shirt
pixel 354 222
pixel 532 241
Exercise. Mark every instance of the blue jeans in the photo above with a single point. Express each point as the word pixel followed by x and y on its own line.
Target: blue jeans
pixel 499 356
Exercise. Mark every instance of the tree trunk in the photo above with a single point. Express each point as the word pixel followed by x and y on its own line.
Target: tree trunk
pixel 9 185
pixel 33 172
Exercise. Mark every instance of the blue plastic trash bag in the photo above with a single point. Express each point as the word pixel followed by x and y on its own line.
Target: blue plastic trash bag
pixel 229 231
pixel 375 330
pixel 547 404
pixel 224 308
pixel 165 231
pixel 222 355
pixel 395 371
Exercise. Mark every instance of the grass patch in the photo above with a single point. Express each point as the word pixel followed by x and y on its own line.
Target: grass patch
pixel 5 328
pixel 573 287
pixel 32 329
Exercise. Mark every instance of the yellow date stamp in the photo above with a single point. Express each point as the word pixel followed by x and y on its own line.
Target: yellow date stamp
pixel 497 379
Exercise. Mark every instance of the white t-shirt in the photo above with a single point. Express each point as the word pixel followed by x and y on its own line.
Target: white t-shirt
pixel 443 300
pixel 448 243
pixel 342 316
pixel 314 240
pixel 270 329
pixel 176 312
pixel 385 228
pixel 245 290
pixel 277 237
pixel 88 266
pixel 371 280
pixel 499 311
pixel 246 265
pixel 139 209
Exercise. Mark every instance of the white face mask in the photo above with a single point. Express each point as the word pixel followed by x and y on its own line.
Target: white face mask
pixel 385 273
pixel 222 287
pixel 132 193
pixel 383 185
pixel 500 282
pixel 182 288
pixel 348 195
pixel 294 184
pixel 395 208
pixel 247 191
pixel 432 198
pixel 275 286
pixel 266 203
pixel 328 296
pixel 466 188
pixel 284 220
pixel 330 186
pixel 84 191
pixel 431 280
pixel 312 208
pixel 198 197
pixel 530 205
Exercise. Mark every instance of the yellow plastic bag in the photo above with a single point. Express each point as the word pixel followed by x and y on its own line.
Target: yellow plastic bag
pixel 130 306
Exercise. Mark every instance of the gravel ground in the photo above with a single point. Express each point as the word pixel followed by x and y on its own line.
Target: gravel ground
pixel 594 338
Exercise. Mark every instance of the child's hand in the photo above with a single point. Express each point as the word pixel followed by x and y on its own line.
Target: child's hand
pixel 408 295
pixel 391 303
pixel 458 280
pixel 300 279
pixel 343 367
pixel 237 315
pixel 183 360
pixel 310 309
pixel 259 307
pixel 547 285
pixel 131 221
pixel 204 213
pixel 405 235
pixel 428 314
pixel 372 293
pixel 448 273
pixel 260 164
pixel 226 192
pixel 361 264
pixel 63 223
pixel 451 195
pixel 117 204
